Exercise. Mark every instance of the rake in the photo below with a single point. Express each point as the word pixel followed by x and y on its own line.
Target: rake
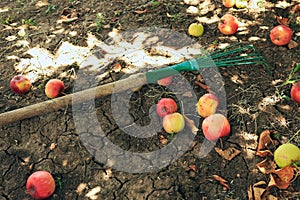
pixel 234 55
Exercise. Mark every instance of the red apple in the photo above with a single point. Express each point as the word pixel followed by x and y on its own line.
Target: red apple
pixel 295 92
pixel 20 84
pixel 165 81
pixel 173 123
pixel 54 87
pixel 40 185
pixel 166 106
pixel 228 3
pixel 281 35
pixel 207 105
pixel 215 126
pixel 228 24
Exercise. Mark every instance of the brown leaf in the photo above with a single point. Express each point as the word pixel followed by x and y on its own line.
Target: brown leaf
pixel 191 124
pixel 202 85
pixel 142 11
pixel 192 167
pixel 277 182
pixel 264 153
pixel 266 166
pixel 282 20
pixel 264 140
pixel 292 44
pixel 281 178
pixel 221 180
pixel 286 174
pixel 228 153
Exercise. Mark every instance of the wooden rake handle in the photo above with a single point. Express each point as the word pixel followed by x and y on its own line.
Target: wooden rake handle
pixel 51 105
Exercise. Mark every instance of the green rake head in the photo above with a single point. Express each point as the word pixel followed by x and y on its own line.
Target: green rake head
pixel 233 55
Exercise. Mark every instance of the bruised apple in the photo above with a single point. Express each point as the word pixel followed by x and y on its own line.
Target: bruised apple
pixel 228 24
pixel 20 84
pixel 228 3
pixel 165 81
pixel 207 105
pixel 40 185
pixel 286 154
pixel 173 123
pixel 295 92
pixel 281 35
pixel 215 126
pixel 54 87
pixel 166 106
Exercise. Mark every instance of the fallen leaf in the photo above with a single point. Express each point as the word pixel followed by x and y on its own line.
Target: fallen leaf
pixel 266 166
pixel 194 168
pixel 228 153
pixel 264 153
pixel 264 140
pixel 277 182
pixel 92 194
pixel 286 174
pixel 191 124
pixel 282 20
pixel 221 180
pixel 292 44
pixel 142 11
pixel 202 85
pixel 255 193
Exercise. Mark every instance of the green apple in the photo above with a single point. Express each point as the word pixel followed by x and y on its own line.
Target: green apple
pixel 286 154
pixel 196 29
pixel 241 3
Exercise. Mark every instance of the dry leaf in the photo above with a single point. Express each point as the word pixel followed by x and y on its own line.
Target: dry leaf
pixel 52 146
pixel 286 174
pixel 203 86
pixel 142 11
pixel 264 140
pixel 281 178
pixel 162 139
pixel 266 166
pixel 194 168
pixel 221 180
pixel 282 20
pixel 292 44
pixel 264 153
pixel 228 153
pixel 191 124
pixel 277 182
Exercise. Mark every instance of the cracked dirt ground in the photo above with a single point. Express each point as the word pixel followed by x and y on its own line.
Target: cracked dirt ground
pixel 51 141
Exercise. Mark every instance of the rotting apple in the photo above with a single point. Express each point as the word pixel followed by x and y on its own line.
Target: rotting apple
pixel 215 126
pixel 165 81
pixel 20 84
pixel 281 35
pixel 40 185
pixel 166 106
pixel 54 87
pixel 196 29
pixel 207 105
pixel 173 123
pixel 228 3
pixel 286 154
pixel 228 24
pixel 295 92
